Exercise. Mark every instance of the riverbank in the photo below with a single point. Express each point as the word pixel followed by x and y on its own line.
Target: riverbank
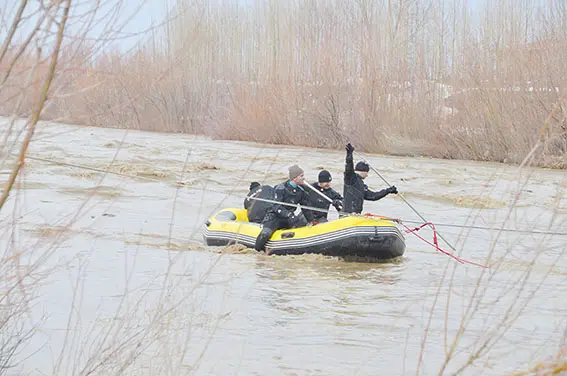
pixel 392 144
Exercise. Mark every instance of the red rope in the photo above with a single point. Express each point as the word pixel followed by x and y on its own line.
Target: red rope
pixel 435 241
pixel 382 217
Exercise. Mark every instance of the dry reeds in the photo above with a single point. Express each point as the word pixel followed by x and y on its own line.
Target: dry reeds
pixel 407 77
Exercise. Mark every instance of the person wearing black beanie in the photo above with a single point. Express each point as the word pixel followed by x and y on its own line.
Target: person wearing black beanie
pixel 323 185
pixel 355 191
pixel 325 177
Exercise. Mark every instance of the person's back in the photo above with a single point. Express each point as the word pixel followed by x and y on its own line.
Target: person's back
pixel 355 191
pixel 257 209
pixel 252 192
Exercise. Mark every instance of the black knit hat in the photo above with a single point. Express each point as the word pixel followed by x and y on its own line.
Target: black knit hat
pixel 362 166
pixel 254 184
pixel 325 176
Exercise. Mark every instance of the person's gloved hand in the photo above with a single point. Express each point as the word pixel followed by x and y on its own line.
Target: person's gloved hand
pixel 349 148
pixel 298 221
pixel 338 204
pixel 393 189
pixel 313 223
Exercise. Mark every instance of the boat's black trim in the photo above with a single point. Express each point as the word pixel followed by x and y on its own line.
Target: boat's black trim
pixel 374 242
pixel 314 239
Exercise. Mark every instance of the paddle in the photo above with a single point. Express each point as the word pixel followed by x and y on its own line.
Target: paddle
pixel 319 193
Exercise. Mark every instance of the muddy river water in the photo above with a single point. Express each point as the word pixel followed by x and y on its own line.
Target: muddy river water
pixel 121 283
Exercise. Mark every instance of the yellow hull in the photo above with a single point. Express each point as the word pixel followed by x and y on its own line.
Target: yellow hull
pixel 346 236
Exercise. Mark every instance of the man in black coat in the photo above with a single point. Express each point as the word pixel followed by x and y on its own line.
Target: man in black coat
pixel 323 185
pixel 257 209
pixel 355 191
pixel 283 216
pixel 252 192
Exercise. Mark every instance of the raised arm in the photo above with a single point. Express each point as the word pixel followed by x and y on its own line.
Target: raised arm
pixel 349 166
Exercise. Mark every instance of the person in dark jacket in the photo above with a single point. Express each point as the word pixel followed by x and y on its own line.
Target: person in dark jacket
pixel 252 192
pixel 257 209
pixel 283 216
pixel 355 191
pixel 323 185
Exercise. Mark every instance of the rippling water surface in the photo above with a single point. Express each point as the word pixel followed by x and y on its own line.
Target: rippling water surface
pixel 126 279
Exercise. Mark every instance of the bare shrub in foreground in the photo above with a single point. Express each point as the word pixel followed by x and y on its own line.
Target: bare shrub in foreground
pixel 44 67
pixel 369 74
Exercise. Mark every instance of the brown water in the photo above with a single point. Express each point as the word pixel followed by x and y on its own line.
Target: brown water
pixel 128 281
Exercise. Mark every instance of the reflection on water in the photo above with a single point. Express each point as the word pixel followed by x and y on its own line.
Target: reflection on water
pixel 135 251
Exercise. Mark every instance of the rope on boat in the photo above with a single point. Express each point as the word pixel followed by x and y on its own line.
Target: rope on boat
pixel 413 231
pixel 435 243
pixel 406 201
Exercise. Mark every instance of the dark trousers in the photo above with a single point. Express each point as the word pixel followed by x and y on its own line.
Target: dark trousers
pixel 271 223
pixel 255 219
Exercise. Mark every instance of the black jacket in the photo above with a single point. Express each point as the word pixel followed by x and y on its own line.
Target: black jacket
pixel 286 193
pixel 319 202
pixel 355 191
pixel 251 193
pixel 257 209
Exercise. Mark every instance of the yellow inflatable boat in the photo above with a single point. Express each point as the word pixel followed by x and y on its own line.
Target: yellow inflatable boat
pixel 358 236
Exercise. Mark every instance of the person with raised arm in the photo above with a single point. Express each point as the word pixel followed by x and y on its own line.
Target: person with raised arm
pixel 355 191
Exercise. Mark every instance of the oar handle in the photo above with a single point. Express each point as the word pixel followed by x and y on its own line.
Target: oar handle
pixel 297 206
pixel 320 193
